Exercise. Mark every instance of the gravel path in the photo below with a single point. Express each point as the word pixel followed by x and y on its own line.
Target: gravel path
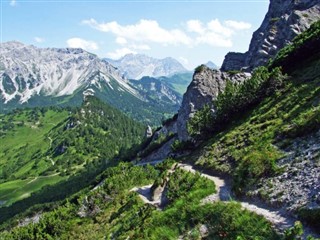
pixel 279 218
pixel 145 195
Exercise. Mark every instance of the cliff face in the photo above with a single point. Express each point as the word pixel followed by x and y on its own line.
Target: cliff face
pixel 204 88
pixel 284 20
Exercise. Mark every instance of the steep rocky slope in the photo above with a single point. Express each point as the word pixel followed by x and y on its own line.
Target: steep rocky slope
pixel 204 88
pixel 285 20
pixel 27 71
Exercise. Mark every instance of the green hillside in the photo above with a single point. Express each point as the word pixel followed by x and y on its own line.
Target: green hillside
pixel 179 82
pixel 115 211
pixel 44 146
pixel 256 120
pixel 148 111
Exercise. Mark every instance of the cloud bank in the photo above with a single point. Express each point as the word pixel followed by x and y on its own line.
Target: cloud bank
pixel 192 33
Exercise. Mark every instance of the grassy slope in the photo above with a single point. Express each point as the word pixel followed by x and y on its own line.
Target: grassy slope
pixel 41 147
pixel 249 148
pixel 18 189
pixel 115 212
pixel 22 153
pixel 179 82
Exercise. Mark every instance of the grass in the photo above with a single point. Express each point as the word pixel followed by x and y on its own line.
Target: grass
pixel 23 152
pixel 15 190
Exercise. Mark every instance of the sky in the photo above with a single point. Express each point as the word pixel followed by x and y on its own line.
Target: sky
pixel 191 31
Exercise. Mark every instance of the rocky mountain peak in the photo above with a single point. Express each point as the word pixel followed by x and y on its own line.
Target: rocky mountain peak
pixel 136 66
pixel 11 45
pixel 284 20
pixel 26 70
pixel 206 85
pixel 212 65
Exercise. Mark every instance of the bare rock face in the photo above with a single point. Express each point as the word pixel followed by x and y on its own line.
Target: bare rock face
pixel 148 132
pixel 285 20
pixel 234 61
pixel 204 88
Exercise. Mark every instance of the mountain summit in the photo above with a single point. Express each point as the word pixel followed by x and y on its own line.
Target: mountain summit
pixel 285 20
pixel 27 71
pixel 136 66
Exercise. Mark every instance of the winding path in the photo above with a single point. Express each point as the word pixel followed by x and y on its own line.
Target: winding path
pixel 279 218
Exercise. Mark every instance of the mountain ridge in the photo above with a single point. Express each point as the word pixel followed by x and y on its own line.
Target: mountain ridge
pixel 283 21
pixel 136 66
pixel 51 71
pixel 36 77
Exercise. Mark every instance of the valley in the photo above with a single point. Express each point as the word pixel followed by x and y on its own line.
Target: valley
pixel 130 146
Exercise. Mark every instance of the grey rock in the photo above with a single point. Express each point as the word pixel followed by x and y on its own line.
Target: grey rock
pixel 299 185
pixel 160 153
pixel 284 20
pixel 204 88
pixel 233 61
pixel 149 132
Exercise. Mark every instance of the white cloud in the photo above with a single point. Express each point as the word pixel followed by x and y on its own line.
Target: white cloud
pixel 121 40
pixel 118 53
pixel 81 43
pixel 215 26
pixel 138 36
pixel 13 3
pixel 142 31
pixel 214 39
pixel 195 26
pixel 140 47
pixel 238 25
pixel 39 39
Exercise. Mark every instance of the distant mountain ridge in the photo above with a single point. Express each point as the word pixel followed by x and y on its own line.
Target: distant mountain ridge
pixel 28 70
pixel 211 65
pixel 136 66
pixel 37 77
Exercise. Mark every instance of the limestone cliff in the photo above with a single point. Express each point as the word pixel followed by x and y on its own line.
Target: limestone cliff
pixel 284 20
pixel 204 88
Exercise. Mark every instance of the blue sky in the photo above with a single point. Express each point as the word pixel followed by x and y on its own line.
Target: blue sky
pixel 193 32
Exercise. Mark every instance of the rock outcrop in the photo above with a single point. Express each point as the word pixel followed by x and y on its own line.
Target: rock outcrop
pixel 285 20
pixel 204 88
pixel 148 132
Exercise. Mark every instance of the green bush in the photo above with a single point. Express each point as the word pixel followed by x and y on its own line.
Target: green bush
pixel 199 68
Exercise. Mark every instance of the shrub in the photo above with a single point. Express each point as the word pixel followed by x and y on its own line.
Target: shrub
pixel 199 68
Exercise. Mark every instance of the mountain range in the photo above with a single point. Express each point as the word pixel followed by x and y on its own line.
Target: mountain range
pixel 27 71
pixel 136 66
pixel 31 76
